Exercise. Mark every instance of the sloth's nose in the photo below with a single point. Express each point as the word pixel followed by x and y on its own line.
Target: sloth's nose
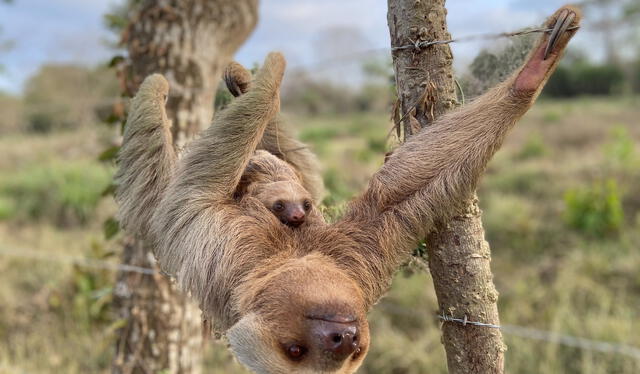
pixel 339 339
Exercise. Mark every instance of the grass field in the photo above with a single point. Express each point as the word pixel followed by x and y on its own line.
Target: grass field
pixel 561 212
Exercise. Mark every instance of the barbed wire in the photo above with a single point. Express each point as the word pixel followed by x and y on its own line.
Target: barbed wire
pixel 514 330
pixel 426 43
pixel 326 63
pixel 464 321
pixel 553 337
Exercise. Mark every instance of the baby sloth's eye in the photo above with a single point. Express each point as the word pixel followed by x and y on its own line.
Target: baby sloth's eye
pixel 307 205
pixel 278 206
pixel 296 352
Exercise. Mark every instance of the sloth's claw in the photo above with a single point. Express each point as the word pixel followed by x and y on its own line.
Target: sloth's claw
pixel 563 22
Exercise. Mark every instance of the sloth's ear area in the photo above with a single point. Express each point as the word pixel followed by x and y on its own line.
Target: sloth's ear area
pixel 250 342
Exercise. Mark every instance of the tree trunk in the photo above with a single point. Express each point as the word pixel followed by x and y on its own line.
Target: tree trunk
pixel 459 257
pixel 189 42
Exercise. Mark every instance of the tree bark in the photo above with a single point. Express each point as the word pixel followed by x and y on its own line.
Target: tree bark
pixel 459 257
pixel 189 42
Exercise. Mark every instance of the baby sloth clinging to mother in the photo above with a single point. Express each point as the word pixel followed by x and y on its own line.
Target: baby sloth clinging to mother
pixel 287 186
pixel 275 184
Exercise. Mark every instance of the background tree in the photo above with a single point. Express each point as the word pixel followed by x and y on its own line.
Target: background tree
pixel 189 42
pixel 459 257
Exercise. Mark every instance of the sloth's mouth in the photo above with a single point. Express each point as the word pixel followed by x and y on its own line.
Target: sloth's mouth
pixel 335 318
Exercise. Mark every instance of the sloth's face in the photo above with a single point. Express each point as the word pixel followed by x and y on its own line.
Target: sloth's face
pixel 309 317
pixel 287 200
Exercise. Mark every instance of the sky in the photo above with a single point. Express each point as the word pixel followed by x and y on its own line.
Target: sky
pixel 73 31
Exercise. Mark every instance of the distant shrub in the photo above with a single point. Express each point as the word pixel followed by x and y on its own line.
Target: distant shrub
pixel 511 222
pixel 337 190
pixel 560 84
pixel 620 150
pixel 66 193
pixel 551 116
pixel 11 108
pixel 377 144
pixel 318 134
pixel 595 210
pixel 533 148
pixel 7 208
pixel 223 97
pixel 521 181
pixel 314 97
pixel 635 83
pixel 62 97
pixel 584 78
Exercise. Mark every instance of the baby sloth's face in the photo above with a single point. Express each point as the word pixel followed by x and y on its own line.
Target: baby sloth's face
pixel 288 201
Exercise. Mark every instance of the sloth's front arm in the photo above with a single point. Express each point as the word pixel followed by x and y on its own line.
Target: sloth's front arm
pixel 146 159
pixel 198 207
pixel 429 176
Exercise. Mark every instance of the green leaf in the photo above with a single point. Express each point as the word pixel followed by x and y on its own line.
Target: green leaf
pixel 109 153
pixel 110 190
pixel 115 61
pixel 111 227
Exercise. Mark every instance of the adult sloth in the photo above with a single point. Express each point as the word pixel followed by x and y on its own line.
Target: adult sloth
pixel 295 300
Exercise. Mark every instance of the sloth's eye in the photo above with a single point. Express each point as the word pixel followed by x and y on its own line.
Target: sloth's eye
pixel 278 206
pixel 296 352
pixel 307 205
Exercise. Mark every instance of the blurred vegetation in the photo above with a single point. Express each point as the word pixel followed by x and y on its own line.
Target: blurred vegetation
pixel 596 210
pixel 63 97
pixel 585 78
pixel 556 269
pixel 58 98
pixel 560 201
pixel 64 193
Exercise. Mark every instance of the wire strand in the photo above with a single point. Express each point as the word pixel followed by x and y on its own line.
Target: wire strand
pixel 426 43
pixel 327 63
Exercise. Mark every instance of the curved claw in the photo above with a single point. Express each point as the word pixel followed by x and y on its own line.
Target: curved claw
pixel 563 22
pixel 237 79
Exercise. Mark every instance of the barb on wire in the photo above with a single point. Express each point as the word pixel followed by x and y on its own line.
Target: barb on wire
pixel 95 264
pixel 426 43
pixel 465 321
pixel 325 64
pixel 532 334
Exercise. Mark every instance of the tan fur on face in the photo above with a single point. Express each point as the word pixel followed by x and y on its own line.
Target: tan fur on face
pixel 296 301
pixel 260 280
pixel 271 180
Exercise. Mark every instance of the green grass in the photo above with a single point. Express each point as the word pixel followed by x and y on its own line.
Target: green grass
pixel 65 193
pixel 553 271
pixel 595 210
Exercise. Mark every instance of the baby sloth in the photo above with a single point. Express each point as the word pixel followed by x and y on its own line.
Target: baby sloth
pixel 277 185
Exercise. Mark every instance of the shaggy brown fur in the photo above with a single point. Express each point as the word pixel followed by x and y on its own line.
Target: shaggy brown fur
pixel 296 300
pixel 277 185
pixel 277 138
pixel 272 180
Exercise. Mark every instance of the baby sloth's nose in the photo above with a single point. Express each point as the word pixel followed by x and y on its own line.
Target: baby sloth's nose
pixel 338 339
pixel 297 215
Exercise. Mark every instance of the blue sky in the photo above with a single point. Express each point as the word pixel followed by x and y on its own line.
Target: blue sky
pixel 72 31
